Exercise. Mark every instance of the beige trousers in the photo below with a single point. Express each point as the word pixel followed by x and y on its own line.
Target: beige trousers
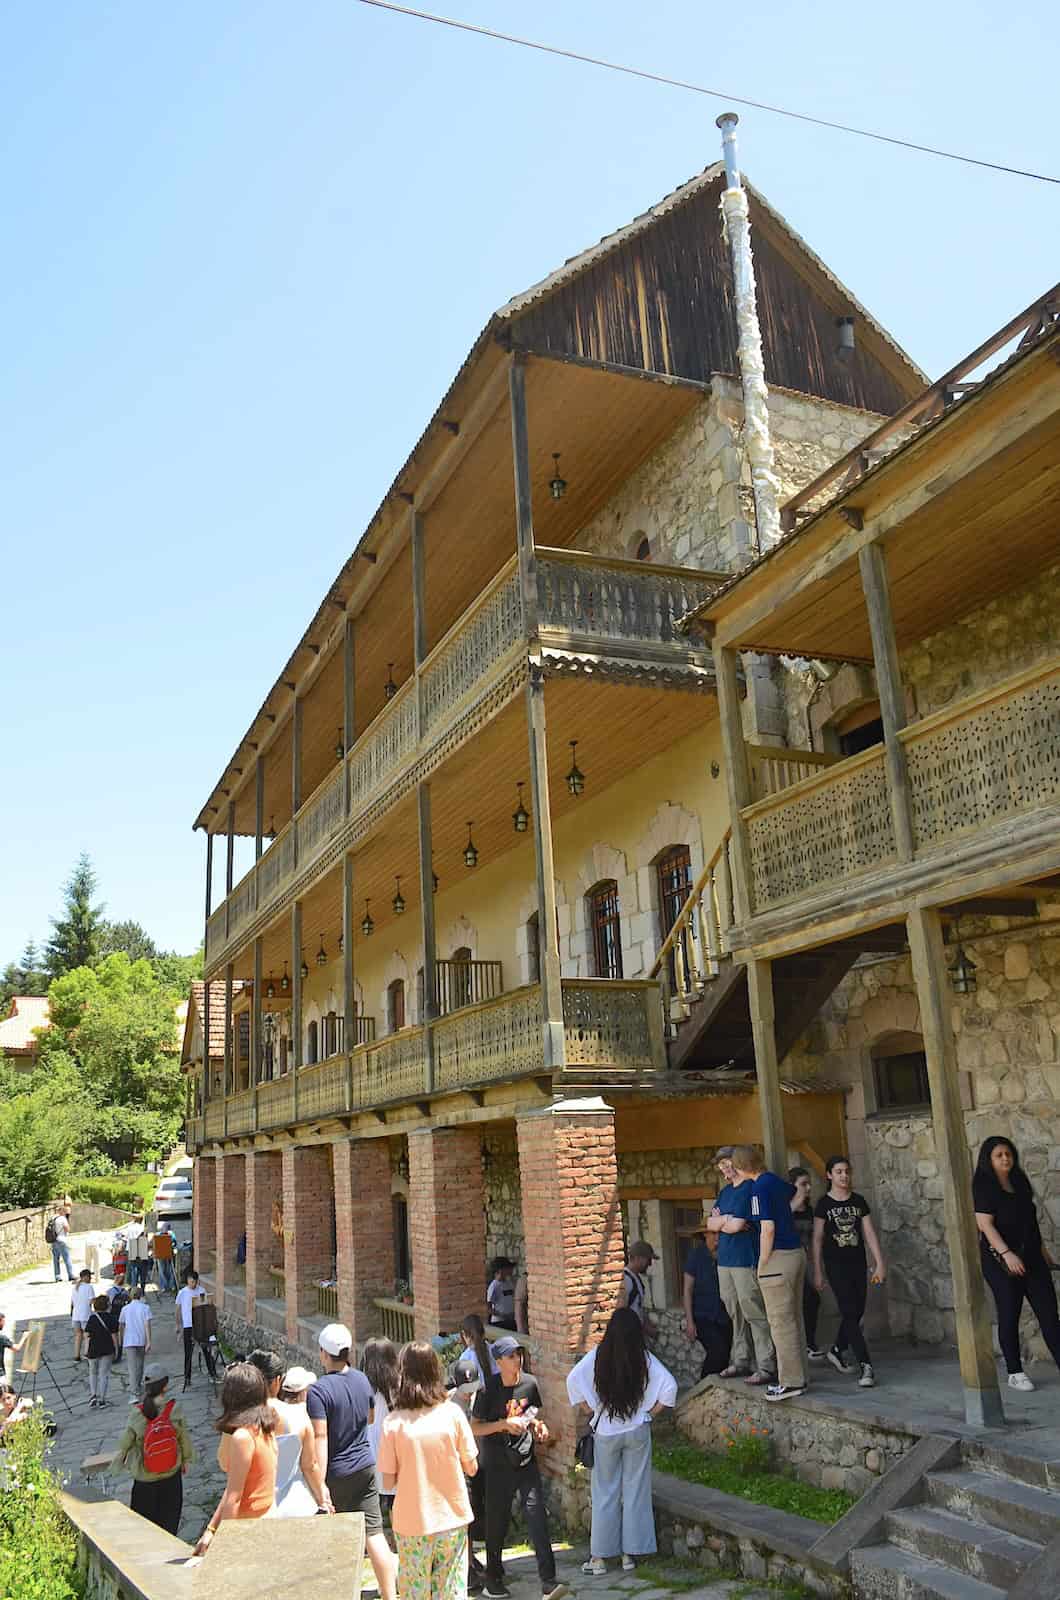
pixel 752 1347
pixel 781 1286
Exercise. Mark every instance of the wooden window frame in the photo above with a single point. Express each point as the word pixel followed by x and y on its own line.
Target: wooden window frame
pixel 605 925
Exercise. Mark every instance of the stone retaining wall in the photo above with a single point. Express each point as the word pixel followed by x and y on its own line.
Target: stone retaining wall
pixel 688 1539
pixel 22 1238
pixel 831 1451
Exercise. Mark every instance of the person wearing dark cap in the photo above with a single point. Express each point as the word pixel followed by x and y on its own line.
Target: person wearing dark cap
pixel 506 1418
pixel 634 1291
pixel 156 1449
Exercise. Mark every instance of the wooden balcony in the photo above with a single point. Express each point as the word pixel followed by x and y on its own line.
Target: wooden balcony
pixel 984 780
pixel 585 604
pixel 614 1038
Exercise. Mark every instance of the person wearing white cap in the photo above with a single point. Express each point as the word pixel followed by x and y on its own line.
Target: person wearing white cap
pixel 156 1449
pixel 340 1406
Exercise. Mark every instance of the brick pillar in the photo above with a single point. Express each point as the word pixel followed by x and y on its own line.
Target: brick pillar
pixel 231 1202
pixel 364 1232
pixel 204 1213
pixel 569 1179
pixel 308 1215
pixel 264 1249
pixel 447 1227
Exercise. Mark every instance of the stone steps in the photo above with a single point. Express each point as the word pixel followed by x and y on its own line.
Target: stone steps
pixel 884 1572
pixel 1008 1504
pixel 975 1548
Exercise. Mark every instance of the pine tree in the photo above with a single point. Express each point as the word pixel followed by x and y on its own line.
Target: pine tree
pixel 75 936
pixel 26 976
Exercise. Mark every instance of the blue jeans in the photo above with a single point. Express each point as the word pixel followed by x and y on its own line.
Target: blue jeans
pixel 623 1516
pixel 61 1252
pixel 167 1278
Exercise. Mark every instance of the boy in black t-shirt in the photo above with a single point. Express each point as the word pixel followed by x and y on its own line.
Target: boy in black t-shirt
pixel 505 1416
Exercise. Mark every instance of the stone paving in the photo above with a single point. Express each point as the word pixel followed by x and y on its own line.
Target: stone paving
pixel 34 1296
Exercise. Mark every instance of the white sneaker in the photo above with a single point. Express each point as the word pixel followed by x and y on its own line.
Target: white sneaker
pixel 595 1567
pixel 1020 1380
pixel 868 1377
pixel 628 1564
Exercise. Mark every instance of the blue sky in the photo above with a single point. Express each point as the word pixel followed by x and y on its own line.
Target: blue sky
pixel 247 247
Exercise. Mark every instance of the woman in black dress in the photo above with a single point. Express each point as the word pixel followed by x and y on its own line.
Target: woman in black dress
pixel 1015 1262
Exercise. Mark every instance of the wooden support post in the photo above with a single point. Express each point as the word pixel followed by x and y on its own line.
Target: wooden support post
pixel 554 1041
pixel 524 516
pixel 982 1397
pixel 296 993
pixel 205 1044
pixel 737 775
pixel 348 700
pixel 872 562
pixel 226 1081
pixel 349 1002
pixel 430 950
pixel 296 769
pixel 419 609
pixel 259 821
pixel 230 864
pixel 767 1067
pixel 254 1069
pixel 209 890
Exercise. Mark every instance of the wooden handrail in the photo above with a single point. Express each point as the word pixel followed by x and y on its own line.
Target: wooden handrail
pixel 694 896
pixel 586 558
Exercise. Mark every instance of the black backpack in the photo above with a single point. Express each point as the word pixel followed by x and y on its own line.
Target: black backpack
pixel 50 1235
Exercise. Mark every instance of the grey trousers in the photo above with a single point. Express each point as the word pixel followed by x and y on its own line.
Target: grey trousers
pixel 781 1285
pixel 752 1346
pixel 623 1518
pixel 135 1355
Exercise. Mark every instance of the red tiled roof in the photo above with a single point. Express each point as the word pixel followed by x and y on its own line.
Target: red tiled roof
pixel 197 1008
pixel 28 1011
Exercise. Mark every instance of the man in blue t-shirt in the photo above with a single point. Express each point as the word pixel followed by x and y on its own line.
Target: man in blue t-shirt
pixel 340 1406
pixel 706 1319
pixel 730 1221
pixel 781 1270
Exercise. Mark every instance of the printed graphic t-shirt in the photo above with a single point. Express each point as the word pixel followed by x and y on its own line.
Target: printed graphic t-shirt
pixel 844 1241
pixel 496 1401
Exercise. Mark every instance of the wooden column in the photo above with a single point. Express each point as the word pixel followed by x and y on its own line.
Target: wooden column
pixel 767 1067
pixel 296 992
pixel 296 769
pixel 259 821
pixel 872 562
pixel 553 1038
pixel 209 889
pixel 982 1397
pixel 348 698
pixel 430 952
pixel 230 863
pixel 226 1081
pixel 254 1073
pixel 349 1003
pixel 205 1045
pixel 419 602
pixel 737 774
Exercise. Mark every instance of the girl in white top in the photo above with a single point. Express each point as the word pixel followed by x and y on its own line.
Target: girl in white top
pixel 379 1364
pixel 81 1297
pixel 300 1487
pixel 623 1386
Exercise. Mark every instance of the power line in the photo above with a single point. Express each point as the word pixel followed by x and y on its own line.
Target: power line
pixel 698 88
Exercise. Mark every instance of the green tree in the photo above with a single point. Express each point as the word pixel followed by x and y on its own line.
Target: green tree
pixel 178 973
pixel 75 936
pixel 39 1140
pixel 128 936
pixel 26 976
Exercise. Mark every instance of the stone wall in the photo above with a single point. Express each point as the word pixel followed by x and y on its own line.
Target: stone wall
pixel 702 1544
pixel 691 499
pixel 22 1241
pixel 504 1196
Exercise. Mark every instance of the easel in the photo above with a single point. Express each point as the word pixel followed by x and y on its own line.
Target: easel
pixel 33 1358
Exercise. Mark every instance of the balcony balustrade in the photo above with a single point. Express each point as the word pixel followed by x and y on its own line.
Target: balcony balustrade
pixel 612 607
pixel 984 761
pixel 612 1028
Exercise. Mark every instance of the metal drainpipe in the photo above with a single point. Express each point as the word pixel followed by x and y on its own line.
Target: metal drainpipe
pixel 765 486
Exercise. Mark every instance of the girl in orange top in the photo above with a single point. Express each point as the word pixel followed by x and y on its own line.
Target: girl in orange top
pixel 247 1452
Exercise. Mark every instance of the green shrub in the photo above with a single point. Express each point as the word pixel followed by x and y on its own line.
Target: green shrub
pixel 38 1552
pixel 128 1191
pixel 764 1488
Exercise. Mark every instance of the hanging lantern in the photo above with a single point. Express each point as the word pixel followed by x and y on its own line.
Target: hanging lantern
pixel 285 982
pixel 322 955
pixel 575 777
pixel 557 486
pixel 270 989
pixel 962 973
pixel 340 746
pixel 342 942
pixel 398 902
pixel 470 853
pixel 367 925
pixel 520 816
pixel 303 969
pixel 390 688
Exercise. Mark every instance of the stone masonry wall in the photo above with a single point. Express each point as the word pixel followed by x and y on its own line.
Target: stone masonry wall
pixel 505 1235
pixel 692 497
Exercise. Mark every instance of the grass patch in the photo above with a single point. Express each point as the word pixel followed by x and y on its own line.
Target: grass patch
pixel 38 1555
pixel 677 1573
pixel 765 1488
pixel 127 1191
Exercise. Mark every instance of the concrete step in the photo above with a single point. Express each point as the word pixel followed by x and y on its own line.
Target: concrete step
pixel 973 1548
pixel 1002 1502
pixel 1029 1468
pixel 883 1572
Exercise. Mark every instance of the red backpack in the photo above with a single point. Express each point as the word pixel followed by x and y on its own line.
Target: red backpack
pixel 161 1450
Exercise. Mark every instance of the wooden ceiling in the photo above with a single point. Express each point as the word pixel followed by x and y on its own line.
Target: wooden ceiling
pixel 970 533
pixel 618 728
pixel 604 423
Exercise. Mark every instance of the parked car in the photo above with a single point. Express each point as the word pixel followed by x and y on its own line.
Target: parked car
pixel 173 1198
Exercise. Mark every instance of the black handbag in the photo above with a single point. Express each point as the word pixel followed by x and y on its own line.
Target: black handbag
pixel 585 1447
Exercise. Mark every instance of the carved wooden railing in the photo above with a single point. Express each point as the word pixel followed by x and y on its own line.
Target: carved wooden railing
pixel 276 1102
pixel 595 597
pixel 393 1069
pixel 831 826
pixel 614 1024
pixel 324 1087
pixel 398 1320
pixel 241 1112
pixel 328 1301
pixel 582 599
pixel 774 768
pixel 498 1039
pixel 692 952
pixel 214 1119
pixel 193 1134
pixel 466 983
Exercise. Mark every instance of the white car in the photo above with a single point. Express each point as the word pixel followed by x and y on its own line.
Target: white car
pixel 173 1198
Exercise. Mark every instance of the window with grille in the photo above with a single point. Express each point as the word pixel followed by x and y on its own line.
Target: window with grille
pixel 533 948
pixel 902 1081
pixel 395 1005
pixel 605 915
pixel 311 1045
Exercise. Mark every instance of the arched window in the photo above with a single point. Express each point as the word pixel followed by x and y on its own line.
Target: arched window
pixel 311 1046
pixel 673 875
pixel 395 1005
pixel 859 730
pixel 533 948
pixel 643 548
pixel 421 995
pixel 402 1246
pixel 899 1072
pixel 605 920
pixel 461 980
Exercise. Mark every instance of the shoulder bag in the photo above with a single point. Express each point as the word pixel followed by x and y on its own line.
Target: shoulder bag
pixel 585 1448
